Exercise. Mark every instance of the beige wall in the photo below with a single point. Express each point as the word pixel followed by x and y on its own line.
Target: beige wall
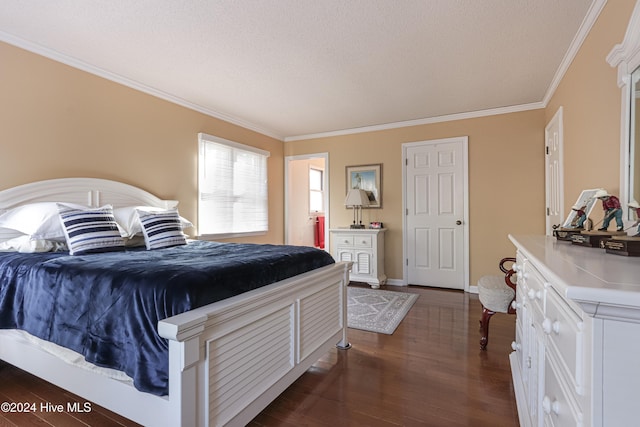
pixel 506 154
pixel 591 102
pixel 506 180
pixel 57 121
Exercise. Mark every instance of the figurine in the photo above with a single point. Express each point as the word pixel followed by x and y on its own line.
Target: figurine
pixel 636 208
pixel 581 216
pixel 612 209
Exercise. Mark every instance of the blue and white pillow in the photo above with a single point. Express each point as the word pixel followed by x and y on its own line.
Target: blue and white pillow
pixel 161 229
pixel 90 230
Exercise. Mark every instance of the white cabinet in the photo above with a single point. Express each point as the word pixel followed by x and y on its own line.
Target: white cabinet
pixel 363 247
pixel 577 346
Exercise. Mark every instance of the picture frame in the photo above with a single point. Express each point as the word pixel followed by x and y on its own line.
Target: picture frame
pixel 368 178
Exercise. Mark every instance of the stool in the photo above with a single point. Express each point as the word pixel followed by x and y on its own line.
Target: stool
pixel 497 294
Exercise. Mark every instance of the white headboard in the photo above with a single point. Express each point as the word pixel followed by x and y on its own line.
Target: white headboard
pixel 92 192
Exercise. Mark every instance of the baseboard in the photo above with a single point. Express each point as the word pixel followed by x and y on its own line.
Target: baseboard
pixel 400 282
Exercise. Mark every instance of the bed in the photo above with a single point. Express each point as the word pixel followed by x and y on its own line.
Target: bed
pixel 225 360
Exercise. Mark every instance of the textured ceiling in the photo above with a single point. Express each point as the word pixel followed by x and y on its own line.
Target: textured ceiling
pixel 297 67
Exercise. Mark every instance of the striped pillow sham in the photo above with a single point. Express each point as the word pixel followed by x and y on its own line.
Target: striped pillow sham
pixel 161 229
pixel 90 230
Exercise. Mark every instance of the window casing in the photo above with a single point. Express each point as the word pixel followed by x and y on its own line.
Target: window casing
pixel 232 188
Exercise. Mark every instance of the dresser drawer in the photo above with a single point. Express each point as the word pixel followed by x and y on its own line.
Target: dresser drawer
pixel 558 405
pixel 362 241
pixel 565 339
pixel 534 287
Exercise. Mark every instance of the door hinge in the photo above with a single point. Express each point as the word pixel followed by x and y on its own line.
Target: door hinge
pixel 406 211
pixel 548 212
pixel 547 149
pixel 406 161
pixel 407 262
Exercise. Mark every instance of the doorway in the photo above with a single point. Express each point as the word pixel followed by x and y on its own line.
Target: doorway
pixel 436 206
pixel 307 200
pixel 553 174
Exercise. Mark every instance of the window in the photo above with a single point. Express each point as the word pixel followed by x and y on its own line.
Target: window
pixel 316 196
pixel 232 188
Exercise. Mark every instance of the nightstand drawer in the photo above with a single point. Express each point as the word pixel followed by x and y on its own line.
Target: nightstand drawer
pixel 362 241
pixel 345 240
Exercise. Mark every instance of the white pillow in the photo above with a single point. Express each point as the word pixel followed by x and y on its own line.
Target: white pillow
pixel 40 221
pixel 129 222
pixel 25 244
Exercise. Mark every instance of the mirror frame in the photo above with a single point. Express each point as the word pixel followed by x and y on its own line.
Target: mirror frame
pixel 626 56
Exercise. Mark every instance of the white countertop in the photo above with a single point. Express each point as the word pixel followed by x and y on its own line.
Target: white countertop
pixel 596 280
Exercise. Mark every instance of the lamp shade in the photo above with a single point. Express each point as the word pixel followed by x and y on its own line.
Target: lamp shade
pixel 356 197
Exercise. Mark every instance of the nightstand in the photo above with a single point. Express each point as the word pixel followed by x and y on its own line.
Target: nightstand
pixel 363 247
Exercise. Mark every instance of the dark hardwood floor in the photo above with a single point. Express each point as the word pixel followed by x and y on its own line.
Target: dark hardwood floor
pixel 430 372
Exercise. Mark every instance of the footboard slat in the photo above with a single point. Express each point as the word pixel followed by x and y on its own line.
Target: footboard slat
pixel 231 385
pixel 316 326
pixel 249 372
pixel 238 349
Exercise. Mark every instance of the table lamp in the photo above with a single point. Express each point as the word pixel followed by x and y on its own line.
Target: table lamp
pixel 357 198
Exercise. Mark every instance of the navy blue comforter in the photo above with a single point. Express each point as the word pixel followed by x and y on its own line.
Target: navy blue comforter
pixel 107 306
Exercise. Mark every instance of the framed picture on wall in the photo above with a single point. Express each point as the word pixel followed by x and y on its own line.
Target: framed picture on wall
pixel 369 179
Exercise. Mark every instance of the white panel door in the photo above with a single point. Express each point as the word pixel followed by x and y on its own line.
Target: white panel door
pixel 553 173
pixel 435 225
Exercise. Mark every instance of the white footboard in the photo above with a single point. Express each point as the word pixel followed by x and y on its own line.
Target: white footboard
pixel 241 353
pixel 227 360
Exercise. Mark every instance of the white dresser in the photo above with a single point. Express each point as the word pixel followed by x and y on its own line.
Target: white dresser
pixel 363 247
pixel 576 358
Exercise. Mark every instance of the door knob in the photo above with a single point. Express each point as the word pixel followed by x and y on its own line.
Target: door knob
pixel 458 222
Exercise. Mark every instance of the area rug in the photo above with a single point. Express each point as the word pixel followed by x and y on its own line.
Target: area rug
pixel 377 310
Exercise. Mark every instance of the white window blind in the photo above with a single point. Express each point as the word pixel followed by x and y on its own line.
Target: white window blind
pixel 232 187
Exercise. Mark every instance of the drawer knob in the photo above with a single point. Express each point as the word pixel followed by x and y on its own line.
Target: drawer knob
pixel 548 326
pixel 548 406
pixel 515 346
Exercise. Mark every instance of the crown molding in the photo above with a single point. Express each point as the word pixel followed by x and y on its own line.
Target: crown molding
pixel 590 19
pixel 419 122
pixel 585 28
pixel 588 22
pixel 76 63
